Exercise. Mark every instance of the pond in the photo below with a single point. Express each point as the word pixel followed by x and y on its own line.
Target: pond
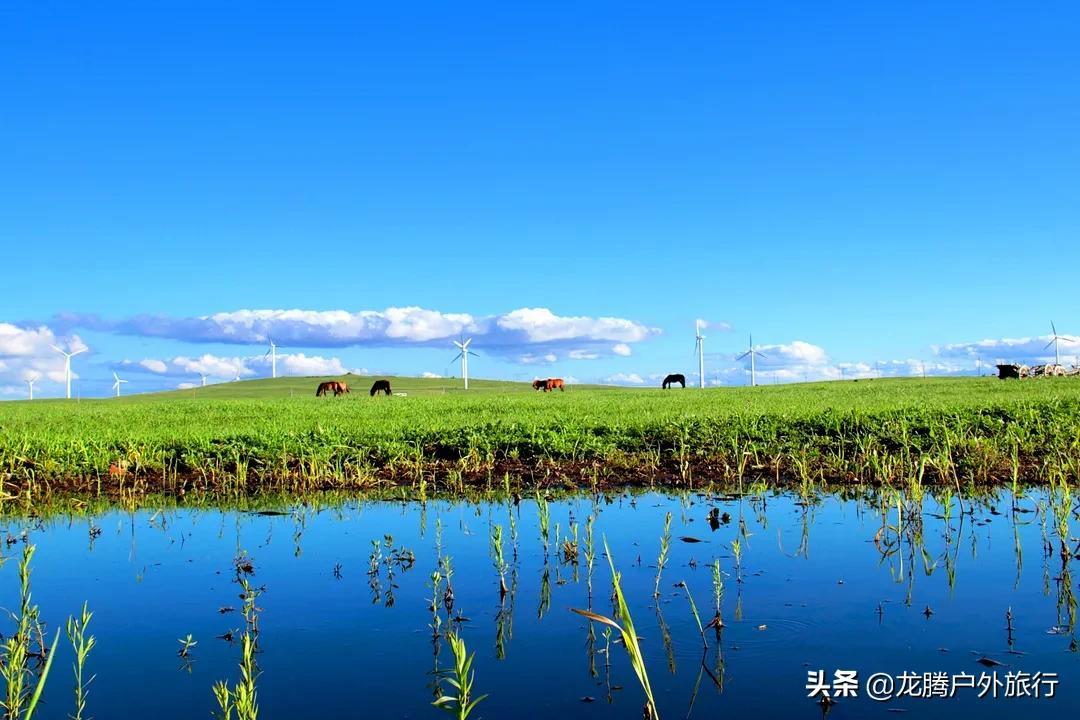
pixel 868 582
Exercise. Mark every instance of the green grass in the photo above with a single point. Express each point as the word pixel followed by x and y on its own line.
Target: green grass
pixel 239 438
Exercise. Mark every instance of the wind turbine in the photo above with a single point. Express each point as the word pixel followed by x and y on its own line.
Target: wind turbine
pixel 30 380
pixel 463 346
pixel 1054 341
pixel 203 376
pixel 67 364
pixel 116 385
pixel 272 352
pixel 699 346
pixel 236 378
pixel 750 354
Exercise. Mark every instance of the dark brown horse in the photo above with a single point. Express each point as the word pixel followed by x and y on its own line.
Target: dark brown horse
pixel 338 388
pixel 674 378
pixel 553 384
pixel 381 386
pixel 540 385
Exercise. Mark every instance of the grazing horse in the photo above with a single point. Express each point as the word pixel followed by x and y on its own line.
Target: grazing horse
pixel 381 386
pixel 338 388
pixel 540 385
pixel 551 384
pixel 674 378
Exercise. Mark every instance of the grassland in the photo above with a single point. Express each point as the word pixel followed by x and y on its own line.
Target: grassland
pixel 275 436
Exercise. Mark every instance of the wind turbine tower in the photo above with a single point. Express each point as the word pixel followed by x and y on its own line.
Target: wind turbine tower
pixel 30 380
pixel 699 345
pixel 463 346
pixel 67 365
pixel 203 376
pixel 751 353
pixel 1054 339
pixel 116 384
pixel 272 352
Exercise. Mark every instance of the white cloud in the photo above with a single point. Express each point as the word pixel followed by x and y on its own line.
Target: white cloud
pixel 27 352
pixel 540 325
pixel 621 349
pixel 624 379
pixel 300 364
pixel 228 368
pixel 713 325
pixel 533 359
pixel 582 355
pixel 430 375
pixel 1029 351
pixel 154 366
pixel 525 331
pixel 213 366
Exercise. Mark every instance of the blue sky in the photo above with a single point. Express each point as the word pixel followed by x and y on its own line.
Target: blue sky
pixel 856 183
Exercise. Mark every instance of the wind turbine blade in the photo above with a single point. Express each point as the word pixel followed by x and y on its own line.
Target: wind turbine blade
pixel 80 350
pixel 1053 328
pixel 58 350
pixel 1049 344
pixel 116 377
pixel 743 355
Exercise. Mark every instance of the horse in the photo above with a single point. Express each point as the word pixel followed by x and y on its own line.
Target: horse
pixel 554 383
pixel 540 385
pixel 334 386
pixel 381 386
pixel 674 378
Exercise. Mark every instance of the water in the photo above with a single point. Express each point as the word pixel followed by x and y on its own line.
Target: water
pixel 817 593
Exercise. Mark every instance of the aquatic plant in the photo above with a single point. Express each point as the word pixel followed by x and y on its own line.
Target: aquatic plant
pixel 544 519
pixel 460 678
pixel 736 550
pixel 22 695
pixel 625 625
pixel 242 698
pixel 82 645
pixel 665 547
pixel 497 557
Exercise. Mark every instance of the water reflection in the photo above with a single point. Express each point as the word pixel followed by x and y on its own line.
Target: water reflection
pixel 880 579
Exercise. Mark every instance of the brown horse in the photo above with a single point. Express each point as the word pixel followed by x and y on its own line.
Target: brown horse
pixel 553 384
pixel 381 386
pixel 334 386
pixel 540 385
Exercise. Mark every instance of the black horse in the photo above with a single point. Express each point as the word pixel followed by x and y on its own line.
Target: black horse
pixel 674 378
pixel 380 386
